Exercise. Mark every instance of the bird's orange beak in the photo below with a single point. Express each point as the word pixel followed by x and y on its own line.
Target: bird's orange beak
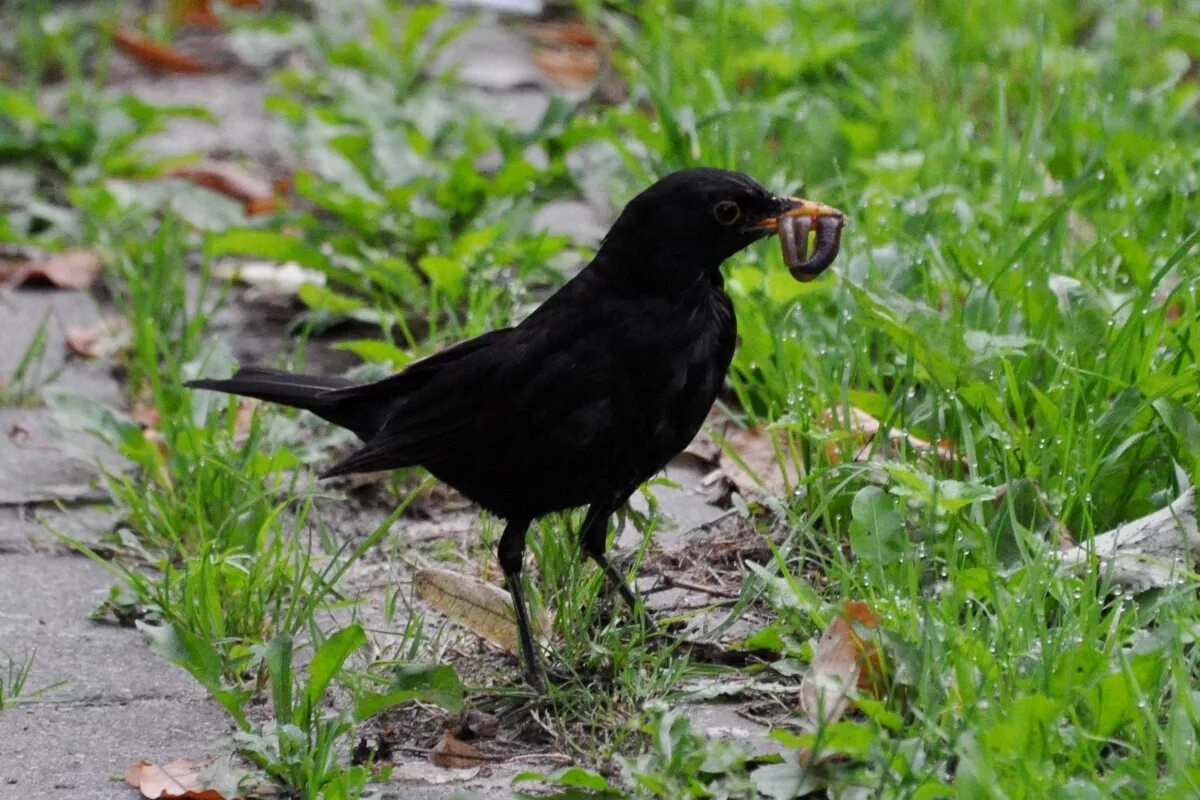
pixel 799 207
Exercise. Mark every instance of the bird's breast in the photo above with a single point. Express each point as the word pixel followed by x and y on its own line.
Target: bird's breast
pixel 678 380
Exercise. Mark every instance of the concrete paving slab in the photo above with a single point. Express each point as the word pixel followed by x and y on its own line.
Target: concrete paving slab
pixel 44 606
pixel 118 702
pixel 574 218
pixel 98 665
pixel 39 589
pixel 521 109
pixel 530 8
pixel 30 528
pixel 82 751
pixel 38 463
pixel 22 313
pixel 420 780
pixel 490 56
pixel 685 507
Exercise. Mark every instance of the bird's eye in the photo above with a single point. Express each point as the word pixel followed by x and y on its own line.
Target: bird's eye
pixel 727 212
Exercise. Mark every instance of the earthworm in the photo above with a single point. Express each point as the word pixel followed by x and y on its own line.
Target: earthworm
pixel 805 267
pixel 793 237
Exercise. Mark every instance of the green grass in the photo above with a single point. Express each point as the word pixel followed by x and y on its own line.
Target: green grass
pixel 14 681
pixel 23 385
pixel 1018 281
pixel 411 235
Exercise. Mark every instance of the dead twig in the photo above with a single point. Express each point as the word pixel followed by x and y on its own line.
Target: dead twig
pixel 1147 553
pixel 682 583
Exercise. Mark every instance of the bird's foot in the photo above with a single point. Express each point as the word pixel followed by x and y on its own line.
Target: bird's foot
pixel 541 679
pixel 536 680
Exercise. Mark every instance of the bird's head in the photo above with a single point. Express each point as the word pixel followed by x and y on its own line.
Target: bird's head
pixel 691 221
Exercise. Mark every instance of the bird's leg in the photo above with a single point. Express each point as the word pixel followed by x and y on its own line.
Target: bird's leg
pixel 593 538
pixel 511 553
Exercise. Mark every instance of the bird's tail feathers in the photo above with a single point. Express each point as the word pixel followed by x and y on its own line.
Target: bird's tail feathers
pixel 315 393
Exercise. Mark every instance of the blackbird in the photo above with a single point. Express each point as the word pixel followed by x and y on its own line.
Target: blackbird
pixel 591 394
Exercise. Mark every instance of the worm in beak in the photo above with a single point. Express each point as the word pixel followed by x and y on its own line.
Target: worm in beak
pixel 793 238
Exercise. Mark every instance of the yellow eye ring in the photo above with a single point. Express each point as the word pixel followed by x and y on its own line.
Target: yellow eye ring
pixel 727 212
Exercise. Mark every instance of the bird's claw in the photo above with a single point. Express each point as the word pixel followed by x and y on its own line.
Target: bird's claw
pixel 541 678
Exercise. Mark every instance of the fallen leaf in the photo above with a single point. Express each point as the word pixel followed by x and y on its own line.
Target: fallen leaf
pixel 106 337
pixel 244 417
pixel 1081 227
pixel 453 753
pixel 1151 552
pixel 570 69
pixel 270 278
pixel 479 723
pixel 195 14
pixel 175 779
pixel 861 435
pixel 748 464
pixel 482 607
pixel 256 194
pixel 156 55
pixel 199 13
pixel 843 661
pixel 1163 294
pixel 70 269
pixel 145 415
pixel 569 32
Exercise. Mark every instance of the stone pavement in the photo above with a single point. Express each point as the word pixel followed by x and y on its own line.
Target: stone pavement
pixel 117 702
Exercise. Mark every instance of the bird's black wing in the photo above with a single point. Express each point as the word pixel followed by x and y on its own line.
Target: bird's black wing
pixel 445 404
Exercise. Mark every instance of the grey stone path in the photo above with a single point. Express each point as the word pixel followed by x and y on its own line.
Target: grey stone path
pixel 117 702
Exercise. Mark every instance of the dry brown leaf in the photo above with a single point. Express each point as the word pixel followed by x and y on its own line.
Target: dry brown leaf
pixel 256 194
pixel 195 14
pixel 245 415
pixel 199 13
pixel 1081 227
pixel 453 753
pixel 70 269
pixel 479 724
pixel 102 339
pixel 570 55
pixel 843 661
pixel 482 607
pixel 1163 294
pixel 156 55
pixel 159 441
pixel 175 779
pixel 145 415
pixel 570 33
pixel 755 448
pixel 861 434
pixel 570 69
